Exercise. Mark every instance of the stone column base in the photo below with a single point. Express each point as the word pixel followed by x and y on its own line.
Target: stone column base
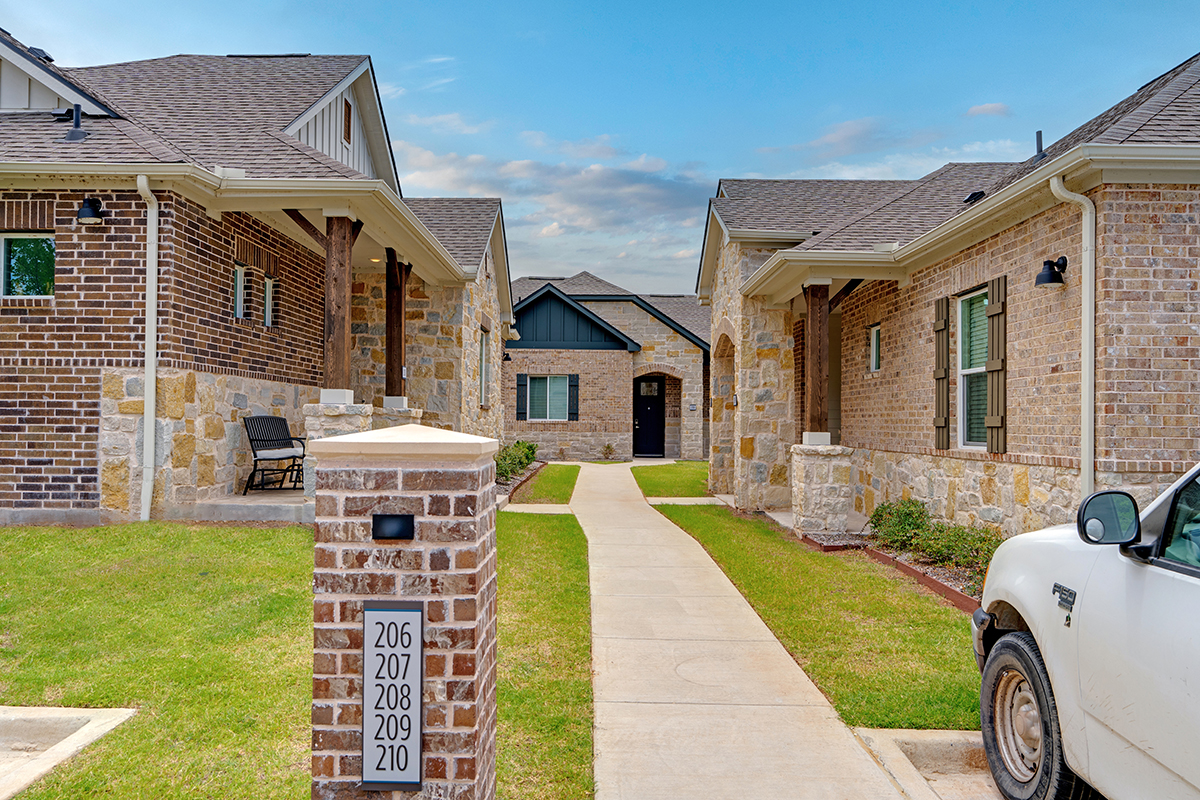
pixel 821 492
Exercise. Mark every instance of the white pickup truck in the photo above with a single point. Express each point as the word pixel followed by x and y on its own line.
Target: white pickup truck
pixel 1088 639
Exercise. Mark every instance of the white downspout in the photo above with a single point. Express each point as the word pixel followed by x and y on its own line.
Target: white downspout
pixel 1087 338
pixel 150 381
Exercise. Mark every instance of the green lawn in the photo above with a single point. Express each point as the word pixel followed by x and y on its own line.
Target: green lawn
pixel 544 672
pixel 886 655
pixel 681 479
pixel 207 630
pixel 553 483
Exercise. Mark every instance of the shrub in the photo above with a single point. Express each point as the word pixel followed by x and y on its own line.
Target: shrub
pixel 906 526
pixel 513 458
pixel 608 451
pixel 897 524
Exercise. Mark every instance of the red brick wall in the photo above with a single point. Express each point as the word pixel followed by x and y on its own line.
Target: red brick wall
pixel 198 327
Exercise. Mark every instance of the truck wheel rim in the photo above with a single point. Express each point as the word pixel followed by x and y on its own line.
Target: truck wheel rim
pixel 1018 725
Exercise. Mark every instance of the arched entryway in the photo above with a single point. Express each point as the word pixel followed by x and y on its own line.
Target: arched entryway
pixel 720 462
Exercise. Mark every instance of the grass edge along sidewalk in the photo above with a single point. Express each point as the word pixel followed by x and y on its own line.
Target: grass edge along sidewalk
pixel 886 654
pixel 681 479
pixel 553 483
pixel 544 669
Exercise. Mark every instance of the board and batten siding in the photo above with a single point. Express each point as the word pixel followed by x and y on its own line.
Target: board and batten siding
pixel 19 93
pixel 324 132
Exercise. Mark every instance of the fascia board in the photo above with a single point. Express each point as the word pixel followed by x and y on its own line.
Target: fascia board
pixel 710 252
pixel 367 93
pixel 780 270
pixel 499 247
pixel 61 86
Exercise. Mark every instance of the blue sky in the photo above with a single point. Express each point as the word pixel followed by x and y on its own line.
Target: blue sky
pixel 605 126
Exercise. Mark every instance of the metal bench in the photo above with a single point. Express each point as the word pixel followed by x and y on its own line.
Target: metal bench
pixel 271 440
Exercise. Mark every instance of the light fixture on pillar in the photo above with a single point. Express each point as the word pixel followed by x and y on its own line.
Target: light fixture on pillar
pixel 507 357
pixel 89 212
pixel 1052 272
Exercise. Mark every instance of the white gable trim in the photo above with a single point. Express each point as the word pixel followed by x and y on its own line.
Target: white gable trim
pixel 360 86
pixel 38 73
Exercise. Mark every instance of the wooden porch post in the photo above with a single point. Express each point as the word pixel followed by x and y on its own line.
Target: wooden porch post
pixel 396 305
pixel 816 360
pixel 339 235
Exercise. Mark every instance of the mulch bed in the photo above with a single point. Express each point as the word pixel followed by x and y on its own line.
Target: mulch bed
pixel 509 487
pixel 951 583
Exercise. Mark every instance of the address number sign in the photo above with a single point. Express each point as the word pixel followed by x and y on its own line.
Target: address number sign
pixel 393 635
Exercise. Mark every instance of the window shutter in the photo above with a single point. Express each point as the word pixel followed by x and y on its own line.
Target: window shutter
pixel 941 373
pixel 573 398
pixel 522 396
pixel 997 393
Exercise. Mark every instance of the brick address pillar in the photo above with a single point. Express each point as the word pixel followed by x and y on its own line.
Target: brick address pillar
pixel 447 481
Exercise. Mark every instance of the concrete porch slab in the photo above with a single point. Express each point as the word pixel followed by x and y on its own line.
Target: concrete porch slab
pixel 34 741
pixel 259 506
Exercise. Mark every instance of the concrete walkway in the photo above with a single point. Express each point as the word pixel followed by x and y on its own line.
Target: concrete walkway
pixel 694 696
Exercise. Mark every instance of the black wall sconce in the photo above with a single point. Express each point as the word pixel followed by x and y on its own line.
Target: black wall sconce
pixel 89 212
pixel 507 357
pixel 1052 272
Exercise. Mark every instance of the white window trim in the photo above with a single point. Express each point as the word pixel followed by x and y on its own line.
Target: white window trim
pixel 485 366
pixel 4 237
pixel 239 291
pixel 529 399
pixel 875 337
pixel 961 393
pixel 269 284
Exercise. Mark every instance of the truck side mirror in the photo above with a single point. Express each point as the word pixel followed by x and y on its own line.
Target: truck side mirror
pixel 1109 518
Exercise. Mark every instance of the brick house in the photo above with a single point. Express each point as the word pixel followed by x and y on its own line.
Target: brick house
pixel 900 331
pixel 287 273
pixel 598 366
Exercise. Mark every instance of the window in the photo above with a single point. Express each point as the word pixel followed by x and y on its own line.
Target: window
pixel 269 298
pixel 1183 532
pixel 347 119
pixel 972 377
pixel 28 265
pixel 548 397
pixel 485 366
pixel 876 361
pixel 241 291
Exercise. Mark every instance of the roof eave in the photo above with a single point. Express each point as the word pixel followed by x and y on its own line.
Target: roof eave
pixel 789 270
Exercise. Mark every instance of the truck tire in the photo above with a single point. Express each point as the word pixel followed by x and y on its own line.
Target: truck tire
pixel 1020 725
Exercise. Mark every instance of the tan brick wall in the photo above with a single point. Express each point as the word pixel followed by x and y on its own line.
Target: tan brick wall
pixel 605 403
pixel 667 352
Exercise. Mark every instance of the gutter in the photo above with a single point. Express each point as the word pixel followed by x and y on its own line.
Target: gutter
pixel 1087 338
pixel 150 380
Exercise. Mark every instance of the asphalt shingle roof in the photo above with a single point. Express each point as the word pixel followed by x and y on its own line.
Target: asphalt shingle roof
pixel 921 206
pixel 805 206
pixel 462 224
pixel 583 283
pixel 1164 111
pixel 227 111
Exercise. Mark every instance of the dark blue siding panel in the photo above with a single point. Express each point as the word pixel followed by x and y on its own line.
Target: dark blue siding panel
pixel 550 323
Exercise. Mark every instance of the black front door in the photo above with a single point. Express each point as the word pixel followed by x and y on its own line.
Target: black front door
pixel 649 416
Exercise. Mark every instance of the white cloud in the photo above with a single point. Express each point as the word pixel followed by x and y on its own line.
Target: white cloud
pixel 389 91
pixel 439 83
pixel 447 123
pixel 596 147
pixel 989 109
pixel 438 59
pixel 865 135
pixel 906 166
pixel 550 231
pixel 645 163
pixel 685 254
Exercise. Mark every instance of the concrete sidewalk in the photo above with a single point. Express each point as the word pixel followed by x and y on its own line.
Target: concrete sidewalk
pixel 694 696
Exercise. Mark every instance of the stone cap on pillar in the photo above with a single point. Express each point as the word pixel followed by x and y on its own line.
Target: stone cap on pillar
pixel 417 442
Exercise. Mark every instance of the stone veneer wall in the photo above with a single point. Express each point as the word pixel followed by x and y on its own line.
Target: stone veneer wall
pixel 201 452
pixel 605 403
pixel 758 467
pixel 442 331
pixel 664 350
